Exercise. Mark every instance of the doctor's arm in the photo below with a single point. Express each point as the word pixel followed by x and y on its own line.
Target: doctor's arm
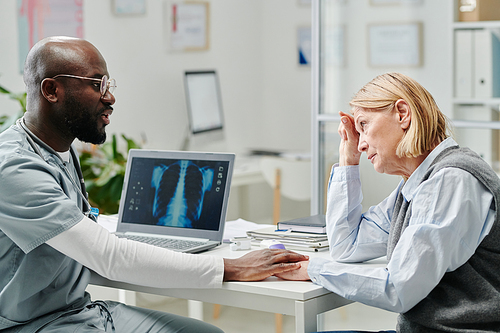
pixel 133 262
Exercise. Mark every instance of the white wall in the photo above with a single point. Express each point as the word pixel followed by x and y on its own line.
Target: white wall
pixel 286 118
pixel 435 72
pixel 150 96
pixel 9 74
pixel 252 45
pixel 266 95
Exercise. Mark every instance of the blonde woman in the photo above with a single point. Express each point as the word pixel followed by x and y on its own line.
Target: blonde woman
pixel 439 228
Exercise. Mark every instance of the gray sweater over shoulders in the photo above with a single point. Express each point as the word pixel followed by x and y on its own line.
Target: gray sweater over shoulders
pixel 467 299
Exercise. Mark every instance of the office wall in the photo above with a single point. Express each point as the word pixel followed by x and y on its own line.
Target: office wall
pixel 286 118
pixel 435 72
pixel 245 35
pixel 266 95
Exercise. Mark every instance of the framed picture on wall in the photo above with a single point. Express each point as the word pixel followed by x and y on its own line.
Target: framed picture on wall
pixel 304 45
pixel 189 26
pixel 39 19
pixel 395 45
pixel 129 7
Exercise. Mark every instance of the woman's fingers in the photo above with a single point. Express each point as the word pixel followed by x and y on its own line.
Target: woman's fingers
pixel 348 150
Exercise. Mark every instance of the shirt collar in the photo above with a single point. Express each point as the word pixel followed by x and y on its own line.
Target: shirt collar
pixel 414 181
pixel 65 156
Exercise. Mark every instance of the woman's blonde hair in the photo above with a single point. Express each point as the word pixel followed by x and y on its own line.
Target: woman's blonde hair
pixel 428 126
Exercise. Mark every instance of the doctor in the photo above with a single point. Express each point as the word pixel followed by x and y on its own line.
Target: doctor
pixel 48 242
pixel 439 228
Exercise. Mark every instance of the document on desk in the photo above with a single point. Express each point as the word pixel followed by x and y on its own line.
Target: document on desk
pixel 292 240
pixel 239 228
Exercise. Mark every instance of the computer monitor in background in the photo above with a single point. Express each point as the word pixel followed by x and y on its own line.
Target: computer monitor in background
pixel 204 107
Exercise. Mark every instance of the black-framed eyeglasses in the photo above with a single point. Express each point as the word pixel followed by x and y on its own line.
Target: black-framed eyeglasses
pixel 105 86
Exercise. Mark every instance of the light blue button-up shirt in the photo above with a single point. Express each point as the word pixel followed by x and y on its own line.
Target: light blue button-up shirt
pixel 451 215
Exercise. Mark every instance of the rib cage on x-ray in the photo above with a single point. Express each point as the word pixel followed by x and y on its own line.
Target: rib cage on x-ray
pixel 179 191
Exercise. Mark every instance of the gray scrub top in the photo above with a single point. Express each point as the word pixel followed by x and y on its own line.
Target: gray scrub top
pixel 38 201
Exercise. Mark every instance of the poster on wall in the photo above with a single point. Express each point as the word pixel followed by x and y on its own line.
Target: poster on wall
pixel 38 19
pixel 189 26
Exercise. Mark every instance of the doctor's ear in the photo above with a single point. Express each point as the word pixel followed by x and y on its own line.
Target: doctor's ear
pixel 49 89
pixel 404 113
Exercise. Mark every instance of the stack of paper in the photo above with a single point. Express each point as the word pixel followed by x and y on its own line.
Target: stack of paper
pixel 314 224
pixel 291 239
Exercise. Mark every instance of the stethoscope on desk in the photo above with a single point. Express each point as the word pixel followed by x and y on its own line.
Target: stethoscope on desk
pixel 90 212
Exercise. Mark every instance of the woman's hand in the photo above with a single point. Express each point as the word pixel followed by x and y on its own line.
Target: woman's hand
pixel 260 264
pixel 349 139
pixel 296 275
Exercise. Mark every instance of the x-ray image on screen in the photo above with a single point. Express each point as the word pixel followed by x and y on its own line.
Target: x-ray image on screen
pixel 176 193
pixel 179 191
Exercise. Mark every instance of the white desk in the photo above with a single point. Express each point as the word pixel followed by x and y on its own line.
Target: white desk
pixel 301 299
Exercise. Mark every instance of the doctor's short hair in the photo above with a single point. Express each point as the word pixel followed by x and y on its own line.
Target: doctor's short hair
pixel 428 127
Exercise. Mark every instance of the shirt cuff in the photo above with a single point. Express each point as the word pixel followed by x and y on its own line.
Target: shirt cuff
pixel 314 269
pixel 219 272
pixel 344 173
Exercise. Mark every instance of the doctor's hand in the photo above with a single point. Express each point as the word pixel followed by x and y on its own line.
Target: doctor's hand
pixel 296 275
pixel 348 150
pixel 261 264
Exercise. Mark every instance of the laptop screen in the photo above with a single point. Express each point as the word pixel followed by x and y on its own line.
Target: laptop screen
pixel 176 193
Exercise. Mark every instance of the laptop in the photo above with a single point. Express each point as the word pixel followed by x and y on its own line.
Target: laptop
pixel 175 197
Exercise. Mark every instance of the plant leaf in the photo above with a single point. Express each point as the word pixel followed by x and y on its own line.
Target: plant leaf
pixel 131 144
pixel 113 145
pixel 11 120
pixel 4 91
pixel 104 172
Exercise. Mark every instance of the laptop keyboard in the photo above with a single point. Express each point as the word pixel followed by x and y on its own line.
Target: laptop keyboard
pixel 168 243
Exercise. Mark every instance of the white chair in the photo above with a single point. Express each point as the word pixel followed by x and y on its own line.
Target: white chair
pixel 290 178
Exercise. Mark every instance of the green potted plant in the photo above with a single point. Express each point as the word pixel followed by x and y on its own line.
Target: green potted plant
pixel 7 121
pixel 103 169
